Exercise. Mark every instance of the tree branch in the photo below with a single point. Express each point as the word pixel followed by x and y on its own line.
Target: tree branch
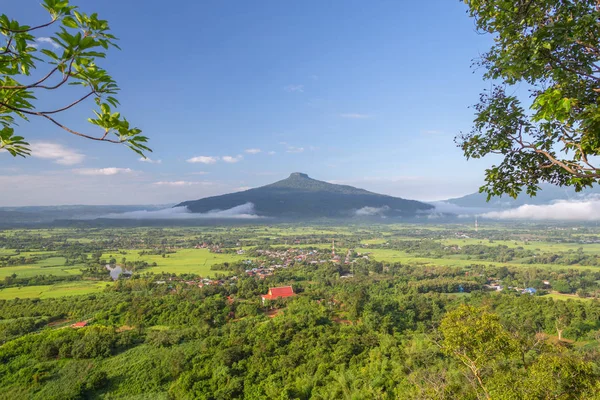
pixel 7 48
pixel 70 105
pixel 28 29
pixel 55 122
pixel 33 84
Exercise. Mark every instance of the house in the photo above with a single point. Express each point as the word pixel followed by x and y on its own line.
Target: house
pixel 79 324
pixel 278 292
pixel 530 290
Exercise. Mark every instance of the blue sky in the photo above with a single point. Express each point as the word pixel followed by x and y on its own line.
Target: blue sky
pixel 363 93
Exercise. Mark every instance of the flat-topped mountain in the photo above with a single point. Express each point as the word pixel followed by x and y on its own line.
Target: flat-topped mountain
pixel 300 196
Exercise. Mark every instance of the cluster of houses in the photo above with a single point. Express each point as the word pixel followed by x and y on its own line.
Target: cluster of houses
pixel 287 257
pixel 262 272
pixel 497 286
pixel 213 248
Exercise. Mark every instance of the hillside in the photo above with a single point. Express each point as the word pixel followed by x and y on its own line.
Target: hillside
pixel 300 196
pixel 547 195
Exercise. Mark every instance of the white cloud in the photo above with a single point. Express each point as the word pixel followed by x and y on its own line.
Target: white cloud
pixel 450 208
pixel 271 153
pixel 199 173
pixel 355 116
pixel 567 210
pixel 253 151
pixel 203 160
pixel 294 88
pixel 150 161
pixel 48 41
pixel 244 211
pixel 231 160
pixel 102 171
pixel 55 152
pixel 181 183
pixel 293 149
pixel 371 211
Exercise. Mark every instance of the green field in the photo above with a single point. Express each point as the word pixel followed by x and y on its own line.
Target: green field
pixel 184 261
pixel 197 261
pixel 560 296
pixel 58 290
pixel 531 245
pixel 27 271
pixel 391 255
pixel 373 241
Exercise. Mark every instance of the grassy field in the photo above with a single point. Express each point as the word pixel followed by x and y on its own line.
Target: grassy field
pixel 391 255
pixel 373 241
pixel 184 261
pixel 543 247
pixel 58 290
pixel 560 296
pixel 27 271
pixel 197 261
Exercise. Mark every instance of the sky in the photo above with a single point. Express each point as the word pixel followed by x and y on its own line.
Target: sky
pixel 235 95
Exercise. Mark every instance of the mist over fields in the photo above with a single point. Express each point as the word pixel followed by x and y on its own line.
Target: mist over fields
pixel 244 211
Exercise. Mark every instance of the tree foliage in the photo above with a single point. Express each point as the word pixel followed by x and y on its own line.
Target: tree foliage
pixel 551 48
pixel 79 41
pixel 476 338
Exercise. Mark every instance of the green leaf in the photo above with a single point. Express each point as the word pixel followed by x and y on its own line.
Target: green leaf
pixel 70 22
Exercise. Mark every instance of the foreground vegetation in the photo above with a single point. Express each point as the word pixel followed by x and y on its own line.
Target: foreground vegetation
pixel 398 311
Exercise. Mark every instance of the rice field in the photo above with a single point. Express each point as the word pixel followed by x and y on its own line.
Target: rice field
pixel 58 290
pixel 184 261
pixel 391 255
pixel 560 296
pixel 544 247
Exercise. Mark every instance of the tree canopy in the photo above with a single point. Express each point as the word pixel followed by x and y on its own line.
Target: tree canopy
pixel 78 42
pixel 550 48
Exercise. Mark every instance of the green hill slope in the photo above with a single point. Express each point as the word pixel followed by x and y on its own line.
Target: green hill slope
pixel 300 196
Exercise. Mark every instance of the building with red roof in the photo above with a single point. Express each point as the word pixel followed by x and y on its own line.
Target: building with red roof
pixel 278 292
pixel 79 324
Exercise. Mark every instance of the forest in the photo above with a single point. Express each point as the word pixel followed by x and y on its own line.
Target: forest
pixel 188 320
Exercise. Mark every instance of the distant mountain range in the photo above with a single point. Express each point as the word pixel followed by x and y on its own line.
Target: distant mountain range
pixel 547 195
pixel 44 214
pixel 300 196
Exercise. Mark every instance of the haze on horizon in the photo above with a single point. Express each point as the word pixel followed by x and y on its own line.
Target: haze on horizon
pixel 363 94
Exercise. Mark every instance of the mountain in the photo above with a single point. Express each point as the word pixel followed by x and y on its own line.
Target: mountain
pixel 548 194
pixel 300 196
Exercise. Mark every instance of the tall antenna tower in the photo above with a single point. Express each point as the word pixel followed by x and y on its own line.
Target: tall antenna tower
pixel 476 225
